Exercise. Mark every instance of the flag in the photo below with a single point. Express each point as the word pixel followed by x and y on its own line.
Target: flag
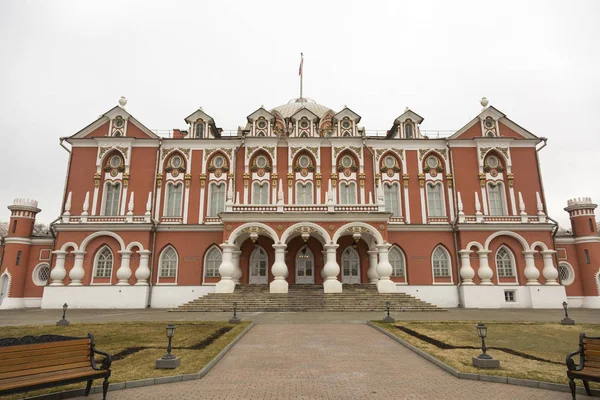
pixel 301 64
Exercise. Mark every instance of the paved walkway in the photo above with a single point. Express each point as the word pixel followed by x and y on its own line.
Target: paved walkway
pixel 327 361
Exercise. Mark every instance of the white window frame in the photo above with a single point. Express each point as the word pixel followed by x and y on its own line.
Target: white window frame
pixel 449 259
pixel 105 198
pixel 399 251
pixel 304 185
pixel 501 191
pixel 262 184
pixel 252 256
pixel 387 188
pixel 34 275
pixel 197 124
pixel 167 212
pixel 220 207
pixel 440 187
pixel 96 259
pixel 298 261
pixel 569 267
pixel 347 184
pixel 355 256
pixel 160 264
pixel 513 264
pixel 208 254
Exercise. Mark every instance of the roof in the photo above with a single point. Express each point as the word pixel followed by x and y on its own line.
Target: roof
pixel 294 105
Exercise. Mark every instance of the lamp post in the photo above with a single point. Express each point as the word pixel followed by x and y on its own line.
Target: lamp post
pixel 169 360
pixel 484 360
pixel 566 320
pixel 388 318
pixel 234 319
pixel 63 321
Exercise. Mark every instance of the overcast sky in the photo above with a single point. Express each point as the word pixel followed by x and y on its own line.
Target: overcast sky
pixel 63 63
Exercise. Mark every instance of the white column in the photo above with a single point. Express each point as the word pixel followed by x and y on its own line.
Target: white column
pixel 124 271
pixel 531 272
pixel 77 273
pixel 549 272
pixel 59 272
pixel 279 270
pixel 372 271
pixel 226 270
pixel 324 257
pixel 142 273
pixel 384 270
pixel 236 263
pixel 331 270
pixel 467 273
pixel 484 272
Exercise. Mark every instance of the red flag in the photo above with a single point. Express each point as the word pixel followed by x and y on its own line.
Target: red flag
pixel 301 63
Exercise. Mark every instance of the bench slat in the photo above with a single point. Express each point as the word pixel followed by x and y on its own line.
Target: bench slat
pixel 592 359
pixel 44 363
pixel 49 345
pixel 43 352
pixel 34 371
pixel 591 346
pixel 55 377
pixel 591 373
pixel 592 353
pixel 45 374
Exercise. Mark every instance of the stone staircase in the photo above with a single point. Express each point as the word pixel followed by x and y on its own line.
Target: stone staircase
pixel 363 297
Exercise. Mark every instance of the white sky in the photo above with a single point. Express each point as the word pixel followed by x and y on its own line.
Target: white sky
pixel 63 63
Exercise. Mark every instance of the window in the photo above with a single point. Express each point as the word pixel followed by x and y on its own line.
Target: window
pixel 505 263
pixel 212 262
pixel 304 161
pixel 396 258
pixel 304 193
pixel 111 200
pixel 168 263
pixel 391 196
pixel 304 123
pixel 441 262
pixel 432 162
pixel 347 193
pixel 389 162
pixel 174 195
pixel 434 200
pixel 566 274
pixel 493 162
pixel 261 161
pixel 115 161
pixel 104 263
pixel 408 130
pixel 346 123
pixel 591 225
pixel 262 124
pixel 14 226
pixel 176 162
pixel 587 256
pixel 217 199
pixel 218 162
pixel 260 193
pixel 258 266
pixel 347 161
pixel 509 296
pixel 41 275
pixel 199 132
pixel 18 260
pixel 496 198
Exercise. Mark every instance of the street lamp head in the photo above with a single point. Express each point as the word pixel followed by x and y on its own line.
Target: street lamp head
pixel 234 304
pixel 65 306
pixel 170 330
pixel 481 330
pixel 564 304
pixel 387 304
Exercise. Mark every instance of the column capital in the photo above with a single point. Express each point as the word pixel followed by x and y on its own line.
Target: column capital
pixel 60 253
pixel 548 253
pixel 331 246
pixel 280 246
pixel 483 253
pixel 465 252
pixel 125 253
pixel 373 252
pixel 384 246
pixel 144 253
pixel 528 253
pixel 79 253
pixel 228 247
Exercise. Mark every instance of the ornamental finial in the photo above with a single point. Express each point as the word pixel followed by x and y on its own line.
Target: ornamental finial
pixel 484 102
pixel 122 101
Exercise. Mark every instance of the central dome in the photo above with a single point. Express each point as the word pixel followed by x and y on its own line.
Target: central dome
pixel 292 106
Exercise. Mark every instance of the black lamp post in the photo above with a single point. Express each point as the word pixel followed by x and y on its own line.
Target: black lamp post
pixel 388 318
pixel 566 320
pixel 168 361
pixel 234 319
pixel 170 334
pixel 63 321
pixel 482 332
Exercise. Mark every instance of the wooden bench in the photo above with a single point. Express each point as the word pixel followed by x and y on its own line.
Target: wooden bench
pixel 38 362
pixel 589 363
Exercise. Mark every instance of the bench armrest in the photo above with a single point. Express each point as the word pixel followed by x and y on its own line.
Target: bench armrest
pixel 571 363
pixel 106 362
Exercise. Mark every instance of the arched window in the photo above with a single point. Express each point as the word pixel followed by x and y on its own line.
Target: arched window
pixel 199 132
pixel 441 262
pixel 350 266
pixel 505 263
pixel 174 197
pixel 496 198
pixel 435 200
pixel 347 193
pixel 18 260
pixel 586 253
pixel 396 258
pixel 408 130
pixel 260 193
pixel 217 199
pixel 566 273
pixel 103 264
pixel 304 193
pixel 391 196
pixel 212 262
pixel 168 263
pixel 258 266
pixel 112 194
pixel 305 262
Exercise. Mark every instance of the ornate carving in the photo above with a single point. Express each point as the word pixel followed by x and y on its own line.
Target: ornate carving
pixel 314 150
pixel 318 178
pixel 442 152
pixel 254 229
pixel 123 150
pixel 511 179
pixel 246 177
pixel 97 180
pixel 503 150
pixel 334 179
pixel 202 180
pixel 450 179
pixel 290 178
pixel 422 153
pixel 103 150
pixel 405 180
pixel 331 227
pixel 186 152
pixel 377 179
pixel 274 177
pixel 279 228
pixel 159 178
pixel 422 180
pixel 208 152
pixel 483 151
pixel 229 152
pixel 166 151
pixel 381 227
pixel 482 180
pixel 125 179
pixel 271 150
pixel 361 178
pixel 188 178
pixel 229 227
pixel 337 150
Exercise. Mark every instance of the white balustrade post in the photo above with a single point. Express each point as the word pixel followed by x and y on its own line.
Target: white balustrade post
pixel 236 263
pixel 147 214
pixel 77 273
pixel 372 271
pixel 531 272
pixel 59 272
pixel 124 271
pixel 467 273
pixel 66 217
pixel 226 270
pixel 279 270
pixel 142 273
pixel 384 270
pixel 549 272
pixel 324 257
pixel 86 206
pixel 484 272
pixel 331 270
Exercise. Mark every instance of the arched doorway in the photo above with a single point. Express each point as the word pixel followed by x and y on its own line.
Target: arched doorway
pixel 258 266
pixel 3 287
pixel 350 266
pixel 305 266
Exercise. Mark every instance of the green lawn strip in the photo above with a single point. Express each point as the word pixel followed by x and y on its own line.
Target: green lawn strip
pixel 549 341
pixel 117 337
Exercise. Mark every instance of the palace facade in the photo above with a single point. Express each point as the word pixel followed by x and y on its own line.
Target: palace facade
pixel 301 194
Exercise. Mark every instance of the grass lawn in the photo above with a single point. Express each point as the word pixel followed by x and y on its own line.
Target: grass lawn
pixel 115 338
pixel 548 341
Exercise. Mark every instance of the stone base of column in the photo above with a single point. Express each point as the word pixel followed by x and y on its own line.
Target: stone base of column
pixel 386 286
pixel 489 283
pixel 75 284
pixel 332 286
pixel 467 283
pixel 532 283
pixel 278 286
pixel 554 283
pixel 374 281
pixel 225 286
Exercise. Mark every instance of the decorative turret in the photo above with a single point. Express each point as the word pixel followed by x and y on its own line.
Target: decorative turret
pixel 22 219
pixel 581 212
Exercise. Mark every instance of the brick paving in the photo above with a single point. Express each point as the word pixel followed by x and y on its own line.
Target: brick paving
pixel 327 361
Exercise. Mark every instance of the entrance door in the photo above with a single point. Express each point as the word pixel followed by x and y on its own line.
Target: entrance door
pixel 258 266
pixel 305 264
pixel 3 287
pixel 350 266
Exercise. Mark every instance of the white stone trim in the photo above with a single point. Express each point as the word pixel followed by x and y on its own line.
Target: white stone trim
pixel 95 265
pixel 94 235
pixel 513 263
pixel 450 272
pixel 208 251
pixel 159 269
